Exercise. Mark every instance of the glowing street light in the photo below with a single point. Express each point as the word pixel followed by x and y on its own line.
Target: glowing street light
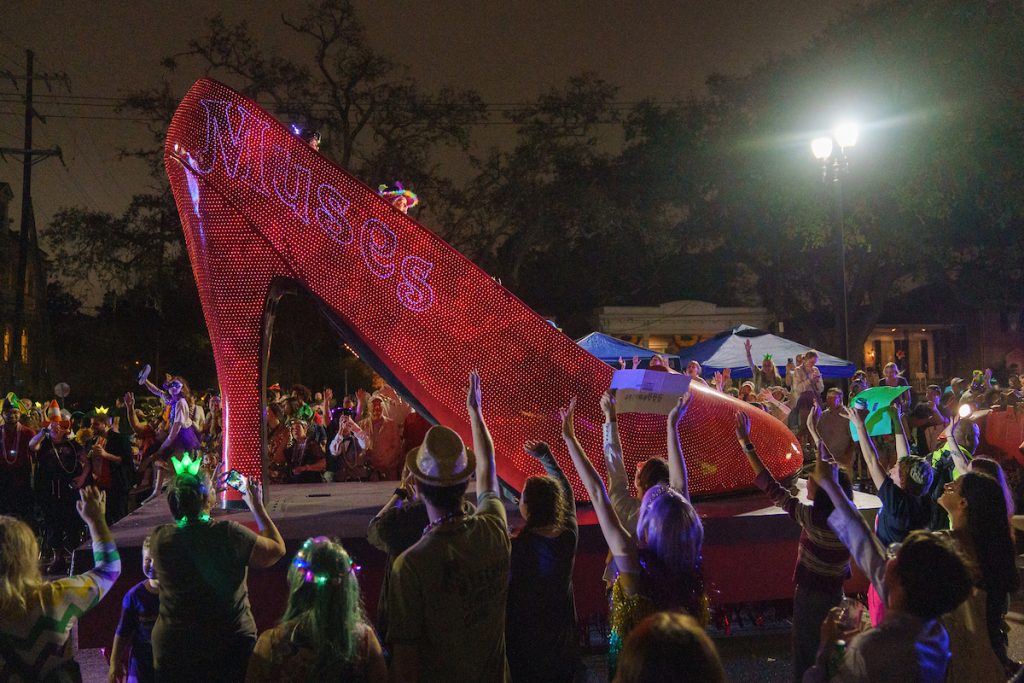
pixel 846 134
pixel 830 150
pixel 821 148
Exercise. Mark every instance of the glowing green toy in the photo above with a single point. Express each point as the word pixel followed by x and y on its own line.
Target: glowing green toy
pixel 186 465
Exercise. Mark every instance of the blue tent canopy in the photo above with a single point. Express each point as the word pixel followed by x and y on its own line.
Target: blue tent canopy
pixel 726 350
pixel 610 350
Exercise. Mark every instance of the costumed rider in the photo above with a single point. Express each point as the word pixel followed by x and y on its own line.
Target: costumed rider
pixel 400 198
pixel 182 435
pixel 310 137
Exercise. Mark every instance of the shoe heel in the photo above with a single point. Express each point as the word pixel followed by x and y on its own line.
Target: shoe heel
pixel 239 278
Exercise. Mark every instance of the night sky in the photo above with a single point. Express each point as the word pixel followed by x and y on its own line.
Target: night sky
pixel 507 51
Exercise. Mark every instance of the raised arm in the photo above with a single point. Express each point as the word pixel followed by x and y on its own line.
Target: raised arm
pixel 750 357
pixel 743 436
pixel 677 475
pixel 867 447
pixel 618 483
pixel 899 431
pixel 619 542
pixel 269 547
pixel 486 475
pixel 129 407
pixel 960 460
pixel 155 390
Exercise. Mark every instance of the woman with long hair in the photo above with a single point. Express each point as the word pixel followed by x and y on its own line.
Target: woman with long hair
pixel 202 567
pixel 323 634
pixel 977 511
pixel 36 616
pixel 541 633
pixel 182 436
pixel 660 566
pixel 986 465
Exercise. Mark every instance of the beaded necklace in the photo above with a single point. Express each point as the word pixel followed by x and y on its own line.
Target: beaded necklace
pixel 10 459
pixel 441 520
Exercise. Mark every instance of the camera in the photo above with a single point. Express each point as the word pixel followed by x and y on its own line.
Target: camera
pixel 351 412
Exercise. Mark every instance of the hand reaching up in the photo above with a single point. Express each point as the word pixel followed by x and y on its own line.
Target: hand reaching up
pixel 92 506
pixel 568 417
pixel 537 449
pixel 473 394
pixel 742 427
pixel 608 404
pixel 679 411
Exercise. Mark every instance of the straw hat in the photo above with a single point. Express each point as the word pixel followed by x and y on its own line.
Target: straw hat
pixel 442 459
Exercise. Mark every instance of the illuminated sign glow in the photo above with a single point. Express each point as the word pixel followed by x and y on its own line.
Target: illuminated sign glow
pixel 261 209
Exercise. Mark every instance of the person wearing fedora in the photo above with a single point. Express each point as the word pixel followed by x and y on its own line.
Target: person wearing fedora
pixel 447 607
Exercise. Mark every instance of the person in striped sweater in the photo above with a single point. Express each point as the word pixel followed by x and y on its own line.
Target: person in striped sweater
pixel 822 561
pixel 36 616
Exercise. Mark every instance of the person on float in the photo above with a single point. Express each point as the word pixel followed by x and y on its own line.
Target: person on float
pixel 202 565
pixel 660 567
pixel 400 198
pixel 57 477
pixel 15 462
pixel 182 436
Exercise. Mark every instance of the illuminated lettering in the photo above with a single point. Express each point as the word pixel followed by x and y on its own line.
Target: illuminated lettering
pixel 377 244
pixel 292 183
pixel 239 145
pixel 413 290
pixel 330 214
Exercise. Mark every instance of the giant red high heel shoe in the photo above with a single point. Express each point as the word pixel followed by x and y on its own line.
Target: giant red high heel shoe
pixel 262 211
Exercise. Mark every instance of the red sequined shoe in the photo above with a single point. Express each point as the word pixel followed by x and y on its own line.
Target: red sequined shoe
pixel 262 212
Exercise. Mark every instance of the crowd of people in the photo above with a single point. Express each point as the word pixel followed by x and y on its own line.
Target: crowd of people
pixel 465 599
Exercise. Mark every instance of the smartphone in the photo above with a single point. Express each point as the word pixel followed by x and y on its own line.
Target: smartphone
pixel 235 480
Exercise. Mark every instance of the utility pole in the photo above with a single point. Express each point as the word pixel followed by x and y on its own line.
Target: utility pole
pixel 28 227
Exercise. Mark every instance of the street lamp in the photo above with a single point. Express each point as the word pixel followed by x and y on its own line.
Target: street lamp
pixel 830 150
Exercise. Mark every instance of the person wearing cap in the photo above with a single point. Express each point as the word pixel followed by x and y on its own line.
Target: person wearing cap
pixel 15 462
pixel 447 607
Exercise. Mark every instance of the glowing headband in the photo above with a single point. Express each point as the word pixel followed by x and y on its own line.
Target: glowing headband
pixel 186 465
pixel 319 578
